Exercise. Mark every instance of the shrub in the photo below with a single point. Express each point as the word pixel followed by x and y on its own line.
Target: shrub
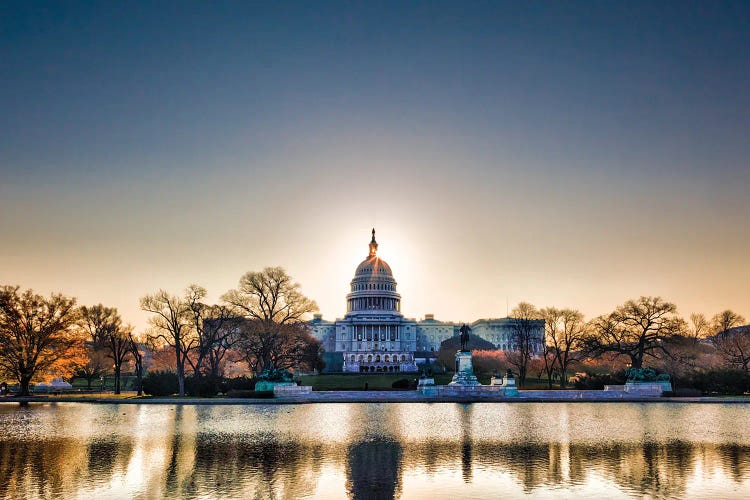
pixel 720 381
pixel 593 381
pixel 404 383
pixel 687 392
pixel 205 387
pixel 401 383
pixel 237 384
pixel 160 383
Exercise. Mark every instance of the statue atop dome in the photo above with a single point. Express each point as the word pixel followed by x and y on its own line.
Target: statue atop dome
pixel 373 245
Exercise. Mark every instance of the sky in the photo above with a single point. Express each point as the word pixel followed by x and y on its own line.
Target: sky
pixel 569 154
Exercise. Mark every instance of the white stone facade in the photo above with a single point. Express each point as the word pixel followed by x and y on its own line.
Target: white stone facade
pixel 375 337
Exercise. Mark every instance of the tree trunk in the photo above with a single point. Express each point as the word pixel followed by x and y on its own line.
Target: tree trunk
pixel 24 383
pixel 138 375
pixel 117 379
pixel 181 381
pixel 522 376
pixel 636 361
pixel 180 362
pixel 563 378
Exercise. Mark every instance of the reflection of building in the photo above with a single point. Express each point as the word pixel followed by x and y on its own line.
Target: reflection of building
pixel 374 336
pixel 374 469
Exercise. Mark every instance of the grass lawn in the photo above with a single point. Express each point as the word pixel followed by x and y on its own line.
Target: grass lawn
pixel 127 382
pixel 336 382
pixel 375 382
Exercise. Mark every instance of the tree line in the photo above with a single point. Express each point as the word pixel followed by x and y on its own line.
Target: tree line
pixel 260 323
pixel 645 331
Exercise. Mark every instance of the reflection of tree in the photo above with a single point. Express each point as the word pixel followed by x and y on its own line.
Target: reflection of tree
pixel 183 463
pixel 58 467
pixel 529 462
pixel 734 460
pixel 107 455
pixel 257 466
pixel 650 469
pixel 374 469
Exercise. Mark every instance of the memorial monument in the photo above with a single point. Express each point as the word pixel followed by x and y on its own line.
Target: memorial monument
pixel 464 375
pixel 646 382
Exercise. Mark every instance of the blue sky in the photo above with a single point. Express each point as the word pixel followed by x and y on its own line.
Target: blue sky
pixel 565 153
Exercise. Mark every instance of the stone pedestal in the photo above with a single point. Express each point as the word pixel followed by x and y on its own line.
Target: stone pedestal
pixel 427 386
pixel 464 370
pixel 291 390
pixel 507 383
pixel 267 385
pixel 642 388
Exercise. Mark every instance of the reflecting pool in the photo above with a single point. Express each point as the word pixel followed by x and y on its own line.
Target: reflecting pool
pixel 410 450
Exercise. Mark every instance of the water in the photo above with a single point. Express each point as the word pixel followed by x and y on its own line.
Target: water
pixel 410 450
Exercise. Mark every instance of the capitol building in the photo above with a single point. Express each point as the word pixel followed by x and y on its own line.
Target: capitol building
pixel 374 336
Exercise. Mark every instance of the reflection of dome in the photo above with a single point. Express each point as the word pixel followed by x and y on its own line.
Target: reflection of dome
pixel 373 286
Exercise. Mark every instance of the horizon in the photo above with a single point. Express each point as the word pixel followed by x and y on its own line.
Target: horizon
pixel 570 155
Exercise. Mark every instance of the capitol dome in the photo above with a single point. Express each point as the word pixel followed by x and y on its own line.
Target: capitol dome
pixel 373 287
pixel 373 265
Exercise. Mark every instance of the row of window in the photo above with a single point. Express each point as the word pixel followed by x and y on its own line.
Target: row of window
pixel 377 358
pixel 372 286
pixel 365 270
pixel 382 303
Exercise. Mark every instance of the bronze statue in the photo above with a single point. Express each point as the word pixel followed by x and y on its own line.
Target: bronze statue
pixel 464 331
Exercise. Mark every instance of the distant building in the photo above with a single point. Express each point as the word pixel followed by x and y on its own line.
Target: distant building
pixel 375 337
pixel 500 331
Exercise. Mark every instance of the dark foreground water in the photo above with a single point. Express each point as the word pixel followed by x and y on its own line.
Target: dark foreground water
pixel 486 450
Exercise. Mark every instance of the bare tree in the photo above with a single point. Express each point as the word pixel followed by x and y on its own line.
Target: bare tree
pixel 700 328
pixel 217 331
pixel 97 321
pixel 731 340
pixel 38 336
pixel 135 345
pixel 173 326
pixel 105 328
pixel 565 332
pixel 733 346
pixel 724 321
pixel 289 346
pixel 636 329
pixel 526 335
pixel 276 310
pixel 96 366
pixel 549 358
